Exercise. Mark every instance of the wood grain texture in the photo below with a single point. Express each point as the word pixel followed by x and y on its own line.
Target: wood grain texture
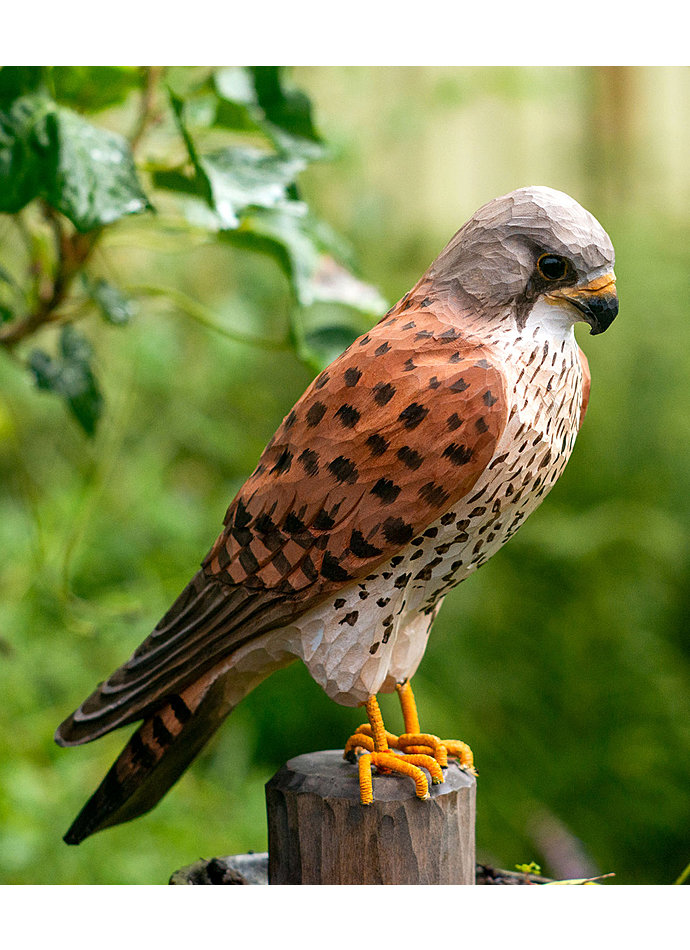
pixel 318 833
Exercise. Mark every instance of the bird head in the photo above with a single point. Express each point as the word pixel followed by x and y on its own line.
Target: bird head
pixel 532 246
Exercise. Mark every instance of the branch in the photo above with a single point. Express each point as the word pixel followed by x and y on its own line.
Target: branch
pixel 72 252
pixel 147 116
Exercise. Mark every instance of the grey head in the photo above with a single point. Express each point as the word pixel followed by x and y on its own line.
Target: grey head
pixel 531 242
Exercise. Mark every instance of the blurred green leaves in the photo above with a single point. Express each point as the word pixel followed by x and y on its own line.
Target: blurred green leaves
pixel 114 306
pixel 236 141
pixel 69 374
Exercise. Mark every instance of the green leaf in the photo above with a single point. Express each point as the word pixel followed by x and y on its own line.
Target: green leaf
pixel 287 109
pixel 239 178
pixel 94 181
pixel 328 342
pixel 114 306
pixel 254 99
pixel 332 283
pixel 70 376
pixel 294 238
pixel 17 81
pixel 91 88
pixel 234 179
pixel 531 868
pixel 83 171
pixel 172 179
pixel 282 233
pixel 22 151
pixel 235 84
pixel 237 107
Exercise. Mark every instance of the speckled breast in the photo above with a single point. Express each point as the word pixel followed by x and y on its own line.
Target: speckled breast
pixel 373 633
pixel 543 422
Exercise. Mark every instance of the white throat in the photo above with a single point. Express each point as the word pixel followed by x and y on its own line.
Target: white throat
pixel 554 321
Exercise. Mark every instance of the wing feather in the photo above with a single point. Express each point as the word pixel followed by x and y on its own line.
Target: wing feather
pixel 382 443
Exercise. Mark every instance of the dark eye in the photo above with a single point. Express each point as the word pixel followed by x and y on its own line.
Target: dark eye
pixel 552 267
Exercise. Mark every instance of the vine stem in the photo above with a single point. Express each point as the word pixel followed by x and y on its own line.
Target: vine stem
pixel 206 317
pixel 147 115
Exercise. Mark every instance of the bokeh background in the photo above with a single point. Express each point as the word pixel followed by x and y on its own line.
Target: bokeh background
pixel 565 662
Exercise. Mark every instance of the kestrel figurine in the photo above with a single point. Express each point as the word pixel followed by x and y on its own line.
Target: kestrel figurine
pixel 403 468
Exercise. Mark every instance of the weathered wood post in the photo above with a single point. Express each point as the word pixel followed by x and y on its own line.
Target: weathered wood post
pixel 319 833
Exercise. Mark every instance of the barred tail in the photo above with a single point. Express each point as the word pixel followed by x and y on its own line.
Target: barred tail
pixel 163 746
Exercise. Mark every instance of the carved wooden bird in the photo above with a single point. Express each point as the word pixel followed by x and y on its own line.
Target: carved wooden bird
pixel 403 468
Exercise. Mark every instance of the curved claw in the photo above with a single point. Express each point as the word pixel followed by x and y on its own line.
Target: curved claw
pixel 357 741
pixel 461 751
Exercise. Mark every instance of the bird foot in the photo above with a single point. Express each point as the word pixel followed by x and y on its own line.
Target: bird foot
pixel 407 754
pixel 413 743
pixel 403 764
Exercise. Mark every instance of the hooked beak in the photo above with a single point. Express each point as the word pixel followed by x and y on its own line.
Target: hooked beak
pixel 597 301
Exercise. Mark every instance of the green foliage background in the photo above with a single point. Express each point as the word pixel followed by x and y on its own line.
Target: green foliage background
pixel 565 662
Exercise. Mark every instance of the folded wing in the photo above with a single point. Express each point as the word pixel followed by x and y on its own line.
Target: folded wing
pixel 390 436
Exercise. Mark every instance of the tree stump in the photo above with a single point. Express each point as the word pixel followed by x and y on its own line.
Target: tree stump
pixel 319 833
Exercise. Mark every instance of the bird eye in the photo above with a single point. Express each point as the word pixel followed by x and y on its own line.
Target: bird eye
pixel 552 267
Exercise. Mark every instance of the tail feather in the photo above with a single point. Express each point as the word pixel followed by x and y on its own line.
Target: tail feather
pixel 207 622
pixel 169 739
pixel 152 761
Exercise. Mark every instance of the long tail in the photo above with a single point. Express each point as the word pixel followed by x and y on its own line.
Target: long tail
pixel 164 745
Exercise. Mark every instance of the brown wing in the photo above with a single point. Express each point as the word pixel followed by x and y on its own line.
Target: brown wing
pixel 383 442
pixel 377 448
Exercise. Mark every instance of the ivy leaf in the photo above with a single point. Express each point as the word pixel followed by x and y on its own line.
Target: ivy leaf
pixel 327 342
pixel 254 99
pixel 283 234
pixel 295 240
pixel 83 171
pixel 332 283
pixel 288 112
pixel 237 106
pixel 22 151
pixel 70 376
pixel 94 181
pixel 114 306
pixel 240 177
pixel 234 179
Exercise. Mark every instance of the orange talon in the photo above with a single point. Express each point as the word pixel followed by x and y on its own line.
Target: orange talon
pixel 429 763
pixel 389 761
pixel 366 788
pixel 413 738
pixel 373 738
pixel 357 741
pixel 461 751
pixel 416 750
pixel 408 742
pixel 419 750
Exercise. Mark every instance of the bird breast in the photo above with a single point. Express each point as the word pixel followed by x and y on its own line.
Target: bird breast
pixel 373 632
